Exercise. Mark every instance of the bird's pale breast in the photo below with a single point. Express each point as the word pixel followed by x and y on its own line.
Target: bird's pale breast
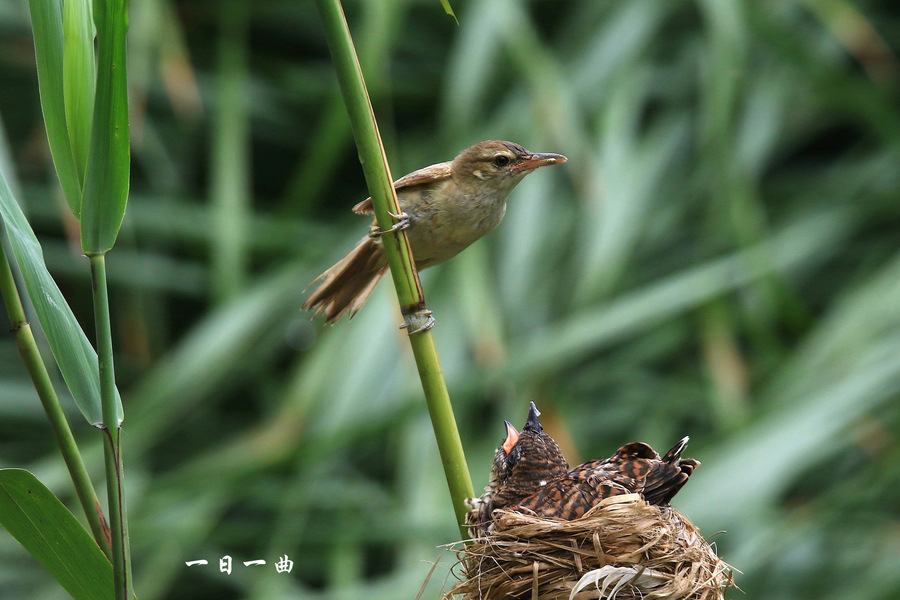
pixel 442 228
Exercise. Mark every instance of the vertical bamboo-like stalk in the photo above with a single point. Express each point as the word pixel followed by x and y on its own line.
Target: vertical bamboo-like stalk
pixel 31 356
pixel 406 280
pixel 115 480
pixel 107 180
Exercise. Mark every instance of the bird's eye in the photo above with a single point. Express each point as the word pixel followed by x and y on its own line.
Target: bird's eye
pixel 501 160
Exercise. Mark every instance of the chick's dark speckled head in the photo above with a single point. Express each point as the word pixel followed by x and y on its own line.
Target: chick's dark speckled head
pixel 523 463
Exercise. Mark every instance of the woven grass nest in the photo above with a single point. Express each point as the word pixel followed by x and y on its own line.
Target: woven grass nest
pixel 622 549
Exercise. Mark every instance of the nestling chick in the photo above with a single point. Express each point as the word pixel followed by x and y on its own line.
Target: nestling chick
pixel 523 464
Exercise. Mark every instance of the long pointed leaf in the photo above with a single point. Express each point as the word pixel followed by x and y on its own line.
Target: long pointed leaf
pixel 449 10
pixel 78 77
pixel 47 23
pixel 49 532
pixel 108 169
pixel 73 352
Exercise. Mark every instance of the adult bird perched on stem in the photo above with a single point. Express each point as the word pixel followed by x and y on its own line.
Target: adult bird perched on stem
pixel 445 207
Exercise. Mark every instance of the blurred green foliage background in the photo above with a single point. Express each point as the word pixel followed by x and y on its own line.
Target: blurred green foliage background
pixel 720 257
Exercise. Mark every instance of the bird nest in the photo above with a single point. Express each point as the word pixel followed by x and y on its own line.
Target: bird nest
pixel 622 549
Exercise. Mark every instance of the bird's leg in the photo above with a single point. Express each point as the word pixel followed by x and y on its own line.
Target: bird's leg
pixel 401 222
pixel 418 321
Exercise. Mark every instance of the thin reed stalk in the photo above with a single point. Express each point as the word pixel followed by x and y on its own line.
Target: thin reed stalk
pixel 31 356
pixel 396 245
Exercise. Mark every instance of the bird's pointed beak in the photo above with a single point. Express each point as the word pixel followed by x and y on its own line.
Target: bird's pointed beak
pixel 540 159
pixel 512 437
pixel 532 421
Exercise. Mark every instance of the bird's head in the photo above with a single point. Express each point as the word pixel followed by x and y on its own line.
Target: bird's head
pixel 498 165
pixel 530 458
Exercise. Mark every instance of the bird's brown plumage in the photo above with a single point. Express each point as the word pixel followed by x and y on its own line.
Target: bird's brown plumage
pixel 450 205
pixel 346 286
pixel 634 468
pixel 523 464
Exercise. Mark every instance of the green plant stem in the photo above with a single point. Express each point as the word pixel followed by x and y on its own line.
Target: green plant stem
pixel 371 151
pixel 112 451
pixel 446 433
pixel 27 345
pixel 396 246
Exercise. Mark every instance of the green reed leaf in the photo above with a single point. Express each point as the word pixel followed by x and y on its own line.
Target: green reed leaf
pixel 53 536
pixel 108 168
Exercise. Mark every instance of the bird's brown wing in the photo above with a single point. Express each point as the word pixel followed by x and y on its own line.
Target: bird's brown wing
pixel 571 497
pixel 630 462
pixel 424 175
pixel 656 479
pixel 634 450
pixel 634 468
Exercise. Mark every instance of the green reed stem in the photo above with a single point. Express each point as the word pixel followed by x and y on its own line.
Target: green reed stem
pixel 396 245
pixel 112 451
pixel 28 348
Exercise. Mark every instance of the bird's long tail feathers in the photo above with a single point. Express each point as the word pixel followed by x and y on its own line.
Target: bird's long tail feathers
pixel 669 475
pixel 674 454
pixel 346 286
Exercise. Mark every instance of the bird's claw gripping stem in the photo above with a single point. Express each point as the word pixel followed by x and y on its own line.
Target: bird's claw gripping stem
pixel 402 222
pixel 419 321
